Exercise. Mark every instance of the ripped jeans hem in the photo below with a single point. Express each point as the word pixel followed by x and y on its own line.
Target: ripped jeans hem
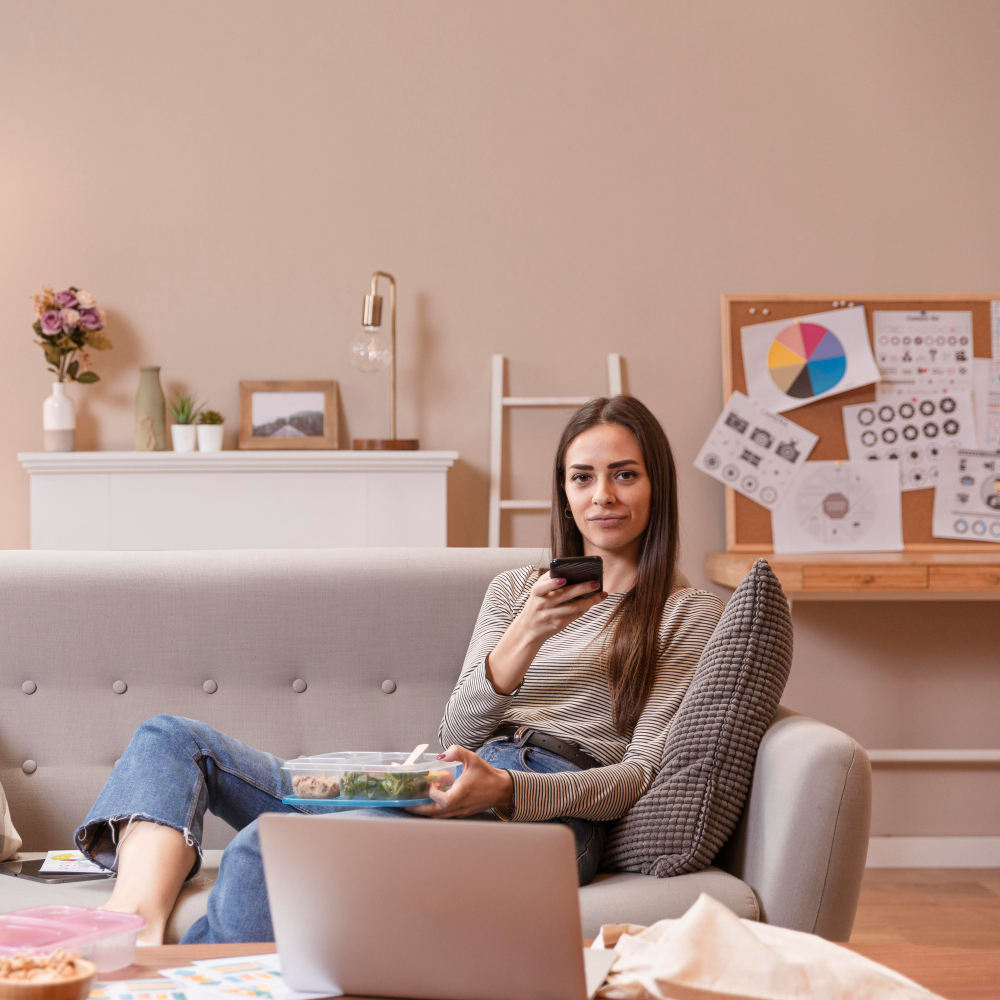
pixel 97 836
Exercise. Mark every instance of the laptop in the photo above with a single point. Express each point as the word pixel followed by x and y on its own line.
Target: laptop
pixel 427 909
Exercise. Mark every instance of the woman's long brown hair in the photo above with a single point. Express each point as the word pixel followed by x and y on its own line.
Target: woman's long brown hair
pixel 633 648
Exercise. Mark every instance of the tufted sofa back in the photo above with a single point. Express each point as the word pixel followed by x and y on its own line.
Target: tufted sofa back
pixel 290 651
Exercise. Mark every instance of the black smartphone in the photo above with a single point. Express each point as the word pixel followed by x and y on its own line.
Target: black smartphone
pixel 578 569
pixel 30 870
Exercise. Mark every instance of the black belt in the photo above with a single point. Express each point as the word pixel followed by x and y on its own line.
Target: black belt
pixel 522 735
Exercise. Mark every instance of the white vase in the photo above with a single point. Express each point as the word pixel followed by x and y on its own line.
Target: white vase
pixel 183 436
pixel 59 420
pixel 210 437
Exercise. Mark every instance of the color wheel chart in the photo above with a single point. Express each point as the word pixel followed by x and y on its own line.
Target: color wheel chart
pixel 806 359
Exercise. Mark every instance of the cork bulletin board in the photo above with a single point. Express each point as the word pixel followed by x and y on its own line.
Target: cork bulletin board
pixel 748 524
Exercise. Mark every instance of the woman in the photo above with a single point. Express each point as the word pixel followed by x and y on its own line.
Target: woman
pixel 560 712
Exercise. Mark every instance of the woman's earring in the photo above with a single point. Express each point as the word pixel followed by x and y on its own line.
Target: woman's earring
pixel 567 513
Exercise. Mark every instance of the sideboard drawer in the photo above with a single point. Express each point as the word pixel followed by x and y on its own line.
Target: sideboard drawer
pixel 858 576
pixel 959 577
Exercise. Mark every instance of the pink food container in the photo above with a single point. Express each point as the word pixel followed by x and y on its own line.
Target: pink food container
pixel 104 938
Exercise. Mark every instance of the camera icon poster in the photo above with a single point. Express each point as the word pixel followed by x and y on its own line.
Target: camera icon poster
pixel 967 498
pixel 754 451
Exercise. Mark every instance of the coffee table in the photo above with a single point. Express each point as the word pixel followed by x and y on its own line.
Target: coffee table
pixel 955 973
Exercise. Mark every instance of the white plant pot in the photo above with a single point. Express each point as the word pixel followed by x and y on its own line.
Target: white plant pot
pixel 183 437
pixel 59 420
pixel 210 437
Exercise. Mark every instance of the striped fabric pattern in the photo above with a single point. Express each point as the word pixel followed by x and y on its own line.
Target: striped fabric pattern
pixel 565 693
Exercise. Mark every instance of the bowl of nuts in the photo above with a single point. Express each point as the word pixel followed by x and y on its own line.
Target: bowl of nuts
pixel 62 975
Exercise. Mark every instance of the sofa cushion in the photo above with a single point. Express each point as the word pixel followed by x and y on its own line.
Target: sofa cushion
pixel 609 899
pixel 695 801
pixel 9 839
pixel 627 898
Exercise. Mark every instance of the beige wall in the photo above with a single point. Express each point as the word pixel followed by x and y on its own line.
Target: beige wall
pixel 548 180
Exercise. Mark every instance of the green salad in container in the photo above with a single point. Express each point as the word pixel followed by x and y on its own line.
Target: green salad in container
pixel 393 784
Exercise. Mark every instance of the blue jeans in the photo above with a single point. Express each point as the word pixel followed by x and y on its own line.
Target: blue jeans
pixel 175 769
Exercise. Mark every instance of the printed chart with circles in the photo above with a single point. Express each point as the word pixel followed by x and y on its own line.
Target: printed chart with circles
pixel 911 430
pixel 836 506
pixel 841 507
pixel 806 360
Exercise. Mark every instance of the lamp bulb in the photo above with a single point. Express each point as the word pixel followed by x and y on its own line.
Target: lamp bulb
pixel 370 351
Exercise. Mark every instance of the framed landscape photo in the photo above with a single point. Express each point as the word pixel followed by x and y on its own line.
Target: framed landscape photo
pixel 288 414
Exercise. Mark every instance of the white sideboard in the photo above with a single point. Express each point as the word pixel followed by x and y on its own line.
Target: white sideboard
pixel 237 499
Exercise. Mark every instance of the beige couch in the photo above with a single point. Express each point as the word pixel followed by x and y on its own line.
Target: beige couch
pixel 378 637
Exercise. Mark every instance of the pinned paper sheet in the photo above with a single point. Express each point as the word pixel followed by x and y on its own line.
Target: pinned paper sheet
pixel 841 507
pixel 910 430
pixel 986 372
pixel 755 452
pixel 967 498
pixel 791 362
pixel 69 862
pixel 922 352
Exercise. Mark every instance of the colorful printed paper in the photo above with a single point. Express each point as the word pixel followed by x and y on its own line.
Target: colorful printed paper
pixel 139 989
pixel 920 352
pixel 841 507
pixel 791 362
pixel 254 977
pixel 755 452
pixel 69 861
pixel 910 430
pixel 967 498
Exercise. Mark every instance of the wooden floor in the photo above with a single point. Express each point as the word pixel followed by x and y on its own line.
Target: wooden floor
pixel 954 907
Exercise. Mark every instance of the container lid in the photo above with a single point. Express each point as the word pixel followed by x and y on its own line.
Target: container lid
pixel 45 928
pixel 375 763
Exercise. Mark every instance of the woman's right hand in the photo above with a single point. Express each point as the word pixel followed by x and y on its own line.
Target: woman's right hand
pixel 548 610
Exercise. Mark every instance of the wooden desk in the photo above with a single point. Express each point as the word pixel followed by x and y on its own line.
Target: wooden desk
pixel 867 576
pixel 954 973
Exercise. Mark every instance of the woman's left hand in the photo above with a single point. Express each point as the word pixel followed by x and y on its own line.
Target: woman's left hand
pixel 480 787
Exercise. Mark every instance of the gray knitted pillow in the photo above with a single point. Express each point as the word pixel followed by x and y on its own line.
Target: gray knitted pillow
pixel 696 800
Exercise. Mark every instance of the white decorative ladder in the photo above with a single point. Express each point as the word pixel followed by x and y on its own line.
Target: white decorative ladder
pixel 498 402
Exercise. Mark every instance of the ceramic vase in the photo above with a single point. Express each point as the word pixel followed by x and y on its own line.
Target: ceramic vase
pixel 210 437
pixel 184 437
pixel 59 420
pixel 150 411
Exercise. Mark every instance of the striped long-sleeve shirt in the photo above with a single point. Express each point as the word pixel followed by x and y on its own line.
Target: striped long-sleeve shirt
pixel 565 693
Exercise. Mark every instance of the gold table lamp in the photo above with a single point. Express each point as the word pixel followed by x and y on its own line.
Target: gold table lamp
pixel 370 353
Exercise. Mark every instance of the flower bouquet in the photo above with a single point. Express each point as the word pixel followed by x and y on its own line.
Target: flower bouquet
pixel 67 323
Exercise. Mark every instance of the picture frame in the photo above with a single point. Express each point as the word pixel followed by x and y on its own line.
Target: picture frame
pixel 289 414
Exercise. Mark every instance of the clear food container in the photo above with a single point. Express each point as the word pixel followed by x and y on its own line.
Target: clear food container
pixel 104 938
pixel 370 779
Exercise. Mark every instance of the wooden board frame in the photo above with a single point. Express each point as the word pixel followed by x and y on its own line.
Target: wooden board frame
pixel 331 415
pixel 748 525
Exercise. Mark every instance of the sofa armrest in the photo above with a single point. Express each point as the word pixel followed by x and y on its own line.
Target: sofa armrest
pixel 802 842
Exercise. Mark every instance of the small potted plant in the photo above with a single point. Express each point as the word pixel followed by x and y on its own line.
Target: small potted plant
pixel 210 428
pixel 183 432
